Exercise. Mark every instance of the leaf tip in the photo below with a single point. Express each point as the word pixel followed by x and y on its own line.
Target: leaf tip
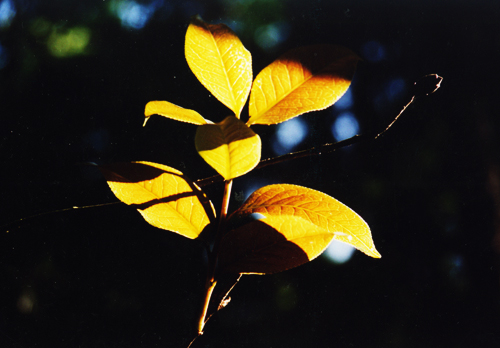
pixel 373 253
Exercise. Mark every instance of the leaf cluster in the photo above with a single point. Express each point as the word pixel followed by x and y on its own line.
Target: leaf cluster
pixel 279 226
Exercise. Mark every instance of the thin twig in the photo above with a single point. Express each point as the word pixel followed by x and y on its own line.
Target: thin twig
pixel 53 212
pixel 425 86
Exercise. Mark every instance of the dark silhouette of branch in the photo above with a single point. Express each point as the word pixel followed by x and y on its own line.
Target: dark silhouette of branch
pixel 426 85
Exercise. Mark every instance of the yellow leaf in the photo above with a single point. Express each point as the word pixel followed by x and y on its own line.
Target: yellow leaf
pixel 314 206
pixel 164 196
pixel 304 79
pixel 273 244
pixel 230 147
pixel 220 62
pixel 172 111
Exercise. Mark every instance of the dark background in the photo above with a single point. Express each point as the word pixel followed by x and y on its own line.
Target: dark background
pixel 102 277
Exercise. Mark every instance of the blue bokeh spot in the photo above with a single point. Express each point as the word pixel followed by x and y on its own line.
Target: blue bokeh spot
pixel 289 134
pixel 345 102
pixel 373 51
pixel 339 252
pixel 7 13
pixel 134 15
pixel 345 126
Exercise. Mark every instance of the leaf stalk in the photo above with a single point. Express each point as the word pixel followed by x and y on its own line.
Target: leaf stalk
pixel 212 258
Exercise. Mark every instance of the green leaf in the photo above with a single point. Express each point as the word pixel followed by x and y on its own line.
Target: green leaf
pixel 230 147
pixel 165 197
pixel 221 63
pixel 302 80
pixel 314 206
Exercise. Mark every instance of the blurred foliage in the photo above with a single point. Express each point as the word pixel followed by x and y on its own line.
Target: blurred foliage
pixel 98 277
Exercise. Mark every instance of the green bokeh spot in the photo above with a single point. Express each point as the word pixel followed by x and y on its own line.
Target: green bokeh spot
pixel 69 43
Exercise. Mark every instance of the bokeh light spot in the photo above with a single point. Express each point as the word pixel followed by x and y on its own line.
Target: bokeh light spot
pixel 339 252
pixel 289 134
pixel 251 187
pixel 395 88
pixel 345 102
pixel 236 26
pixel 7 13
pixel 345 126
pixel 373 51
pixel 454 264
pixel 392 90
pixel 271 35
pixel 132 14
pixel 26 301
pixel 70 43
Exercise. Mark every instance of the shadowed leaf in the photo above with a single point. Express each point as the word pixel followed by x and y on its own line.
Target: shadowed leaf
pixel 220 62
pixel 270 245
pixel 302 80
pixel 316 207
pixel 164 196
pixel 172 111
pixel 230 147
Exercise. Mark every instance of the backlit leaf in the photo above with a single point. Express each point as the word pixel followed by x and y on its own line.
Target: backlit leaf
pixel 220 62
pixel 316 207
pixel 172 111
pixel 165 197
pixel 302 80
pixel 230 147
pixel 273 244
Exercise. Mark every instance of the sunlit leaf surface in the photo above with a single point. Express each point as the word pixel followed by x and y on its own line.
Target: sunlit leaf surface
pixel 302 80
pixel 172 111
pixel 220 62
pixel 164 196
pixel 273 244
pixel 230 147
pixel 316 207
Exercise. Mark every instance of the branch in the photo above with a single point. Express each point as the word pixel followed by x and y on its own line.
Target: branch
pixel 212 260
pixel 423 87
pixel 18 221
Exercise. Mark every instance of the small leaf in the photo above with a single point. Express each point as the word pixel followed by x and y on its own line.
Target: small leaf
pixel 164 196
pixel 304 79
pixel 220 62
pixel 172 111
pixel 314 206
pixel 273 244
pixel 230 147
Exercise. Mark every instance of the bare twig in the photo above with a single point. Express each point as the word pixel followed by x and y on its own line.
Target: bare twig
pixel 53 212
pixel 425 86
